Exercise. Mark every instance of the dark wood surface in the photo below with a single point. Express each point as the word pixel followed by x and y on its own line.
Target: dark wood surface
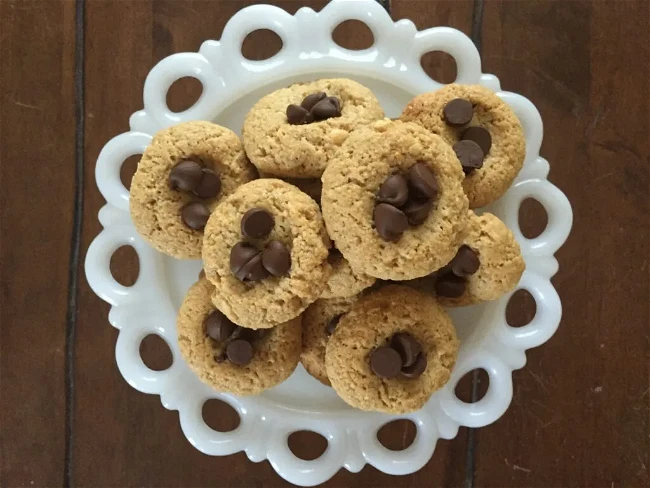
pixel 580 414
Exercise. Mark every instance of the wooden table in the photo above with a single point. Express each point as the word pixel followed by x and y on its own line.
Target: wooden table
pixel 72 73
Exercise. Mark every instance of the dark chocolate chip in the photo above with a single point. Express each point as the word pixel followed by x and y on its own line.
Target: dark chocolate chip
pixel 417 368
pixel 385 362
pixel 241 255
pixel 417 211
pixel 276 258
pixel 185 176
pixel 218 326
pixel 390 222
pixel 209 186
pixel 296 115
pixel 449 285
pixel 255 270
pixel 423 180
pixel 469 154
pixel 465 263
pixel 195 215
pixel 327 108
pixel 407 346
pixel 458 112
pixel 257 223
pixel 332 323
pixel 310 100
pixel 240 352
pixel 250 335
pixel 394 190
pixel 480 136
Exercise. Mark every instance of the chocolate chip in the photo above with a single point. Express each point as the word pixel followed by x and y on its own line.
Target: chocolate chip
pixel 469 154
pixel 195 215
pixel 243 261
pixel 240 352
pixel 254 269
pixel 465 263
pixel 449 285
pixel 327 108
pixel 417 368
pixel 458 112
pixel 209 186
pixel 332 323
pixel 407 346
pixel 423 180
pixel 390 222
pixel 185 176
pixel 276 258
pixel 394 190
pixel 480 136
pixel 385 362
pixel 310 100
pixel 297 115
pixel 417 211
pixel 257 223
pixel 250 335
pixel 218 326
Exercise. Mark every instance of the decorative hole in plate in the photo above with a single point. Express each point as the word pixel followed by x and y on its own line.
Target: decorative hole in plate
pixel 532 218
pixel 261 44
pixel 219 415
pixel 125 265
pixel 397 435
pixel 183 94
pixel 521 308
pixel 439 66
pixel 128 168
pixel 155 353
pixel 479 382
pixel 307 445
pixel 353 35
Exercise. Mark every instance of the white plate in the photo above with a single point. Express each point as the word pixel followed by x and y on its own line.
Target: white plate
pixel 231 85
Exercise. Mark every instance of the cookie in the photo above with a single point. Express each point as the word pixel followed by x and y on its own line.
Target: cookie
pixel 393 201
pixel 391 351
pixel 182 176
pixel 487 266
pixel 265 250
pixel 344 281
pixel 230 358
pixel 311 186
pixel 484 131
pixel 294 131
pixel 318 322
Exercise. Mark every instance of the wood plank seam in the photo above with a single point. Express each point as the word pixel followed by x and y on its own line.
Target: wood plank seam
pixel 75 243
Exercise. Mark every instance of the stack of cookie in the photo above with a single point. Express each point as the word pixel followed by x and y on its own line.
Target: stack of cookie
pixel 306 224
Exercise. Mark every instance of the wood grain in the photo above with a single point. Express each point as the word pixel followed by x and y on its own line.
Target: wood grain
pixel 37 154
pixel 580 410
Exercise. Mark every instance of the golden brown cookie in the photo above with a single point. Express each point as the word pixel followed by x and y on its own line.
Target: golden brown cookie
pixel 391 351
pixel 497 270
pixel 354 180
pixel 344 281
pixel 503 148
pixel 272 354
pixel 303 150
pixel 157 209
pixel 487 266
pixel 247 289
pixel 318 323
